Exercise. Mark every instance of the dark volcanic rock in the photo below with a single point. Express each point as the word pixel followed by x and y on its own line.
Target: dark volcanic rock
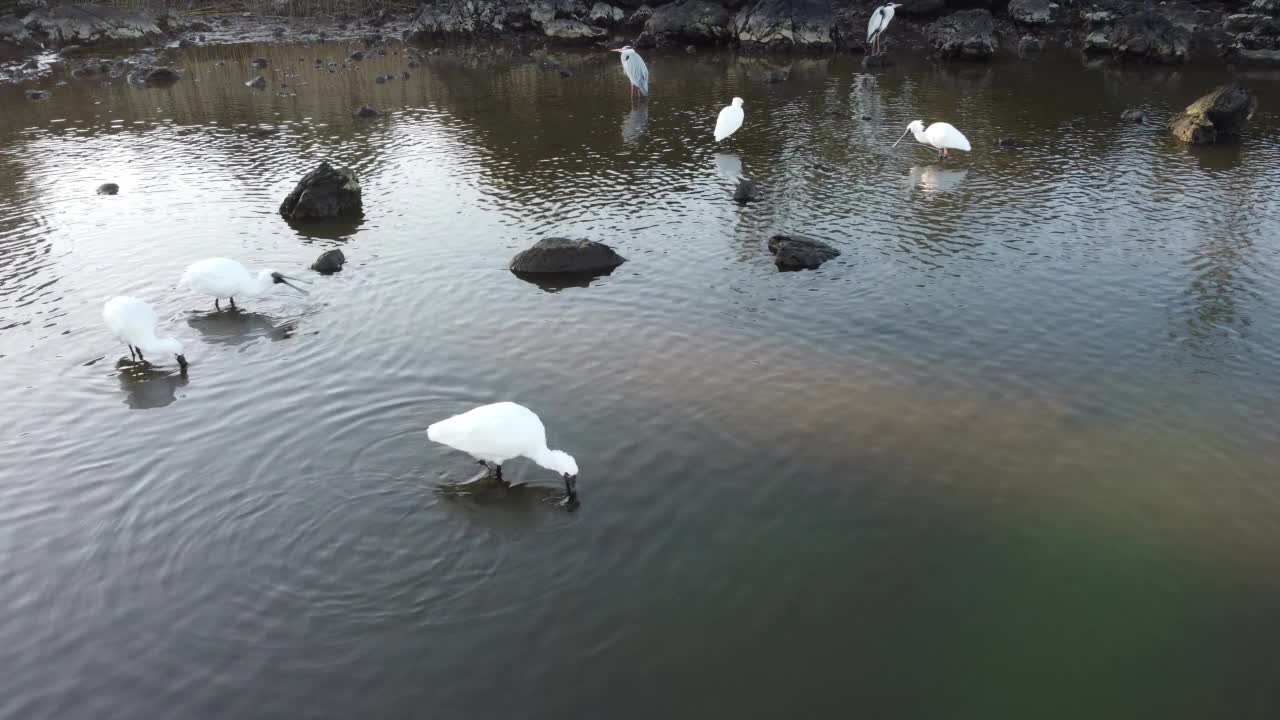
pixel 364 111
pixel 95 25
pixel 1136 117
pixel 331 261
pixel 38 94
pixel 257 83
pixel 325 192
pixel 573 31
pixel 745 192
pixel 1148 36
pixel 698 21
pixel 877 61
pixel 796 252
pixel 199 27
pixel 356 56
pixel 108 189
pixel 13 32
pixel 783 24
pixel 1032 12
pixel 1221 113
pixel 565 256
pixel 154 76
pixel 965 35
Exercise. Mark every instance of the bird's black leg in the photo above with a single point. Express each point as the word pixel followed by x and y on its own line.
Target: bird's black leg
pixel 131 355
pixel 140 355
pixel 233 303
pixel 497 473
pixel 216 306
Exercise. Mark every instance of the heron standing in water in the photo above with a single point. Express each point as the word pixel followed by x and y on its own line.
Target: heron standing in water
pixel 876 26
pixel 635 69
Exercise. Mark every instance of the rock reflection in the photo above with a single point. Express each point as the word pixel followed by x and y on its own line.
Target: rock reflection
pixel 555 282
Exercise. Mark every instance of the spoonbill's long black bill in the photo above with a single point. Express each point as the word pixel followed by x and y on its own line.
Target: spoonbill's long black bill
pixel 904 134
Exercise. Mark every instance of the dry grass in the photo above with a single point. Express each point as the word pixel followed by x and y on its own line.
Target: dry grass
pixel 274 8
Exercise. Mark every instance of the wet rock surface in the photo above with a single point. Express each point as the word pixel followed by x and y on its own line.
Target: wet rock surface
pixel 564 256
pixel 325 192
pixel 797 252
pixel 1222 113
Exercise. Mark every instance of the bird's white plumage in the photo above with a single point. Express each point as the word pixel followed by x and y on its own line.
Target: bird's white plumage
pixel 223 278
pixel 637 72
pixel 880 18
pixel 133 322
pixel 499 432
pixel 943 136
pixel 730 120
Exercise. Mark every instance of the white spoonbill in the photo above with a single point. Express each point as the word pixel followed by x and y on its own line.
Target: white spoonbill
pixel 941 135
pixel 499 432
pixel 878 23
pixel 223 278
pixel 637 72
pixel 134 322
pixel 730 120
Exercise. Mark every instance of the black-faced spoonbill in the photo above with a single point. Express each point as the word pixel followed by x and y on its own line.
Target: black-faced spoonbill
pixel 729 120
pixel 637 72
pixel 941 135
pixel 134 323
pixel 499 432
pixel 878 23
pixel 223 278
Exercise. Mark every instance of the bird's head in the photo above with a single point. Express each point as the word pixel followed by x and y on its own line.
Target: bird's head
pixel 626 50
pixel 893 5
pixel 737 102
pixel 915 126
pixel 277 278
pixel 173 346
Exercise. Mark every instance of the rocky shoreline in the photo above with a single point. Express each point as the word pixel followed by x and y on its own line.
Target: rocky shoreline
pixel 1244 32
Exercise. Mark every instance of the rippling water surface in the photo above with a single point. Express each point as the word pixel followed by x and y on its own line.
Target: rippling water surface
pixel 1015 453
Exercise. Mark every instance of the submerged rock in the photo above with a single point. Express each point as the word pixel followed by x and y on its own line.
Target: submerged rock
pixel 965 35
pixel 330 261
pixel 1221 113
pixel 745 192
pixel 1009 142
pixel 38 94
pixel 356 56
pixel 257 83
pixel 565 256
pixel 108 189
pixel 1136 117
pixel 325 192
pixel 364 111
pixel 796 252
pixel 1029 45
pixel 154 76
pixel 260 62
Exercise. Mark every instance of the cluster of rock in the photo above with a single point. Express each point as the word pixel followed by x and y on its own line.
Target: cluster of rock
pixel 951 29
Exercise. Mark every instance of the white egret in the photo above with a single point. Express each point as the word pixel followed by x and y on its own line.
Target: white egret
pixel 941 135
pixel 637 72
pixel 730 120
pixel 499 432
pixel 134 323
pixel 876 26
pixel 223 278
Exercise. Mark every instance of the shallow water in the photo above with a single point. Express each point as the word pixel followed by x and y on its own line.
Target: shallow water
pixel 1014 454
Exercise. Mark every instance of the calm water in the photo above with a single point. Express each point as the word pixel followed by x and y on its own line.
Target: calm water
pixel 1015 454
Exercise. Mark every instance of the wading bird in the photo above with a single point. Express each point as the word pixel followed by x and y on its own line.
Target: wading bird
pixel 134 323
pixel 223 278
pixel 730 120
pixel 876 26
pixel 941 135
pixel 499 432
pixel 635 69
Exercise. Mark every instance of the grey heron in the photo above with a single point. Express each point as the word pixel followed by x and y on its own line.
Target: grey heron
pixel 876 26
pixel 635 69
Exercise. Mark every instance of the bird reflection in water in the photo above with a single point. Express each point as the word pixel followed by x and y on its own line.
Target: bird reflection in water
pixel 728 165
pixel 635 123
pixel 238 327
pixel 933 178
pixel 484 491
pixel 147 386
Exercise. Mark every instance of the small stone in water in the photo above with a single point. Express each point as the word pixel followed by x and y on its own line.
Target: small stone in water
pixel 108 189
pixel 331 261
